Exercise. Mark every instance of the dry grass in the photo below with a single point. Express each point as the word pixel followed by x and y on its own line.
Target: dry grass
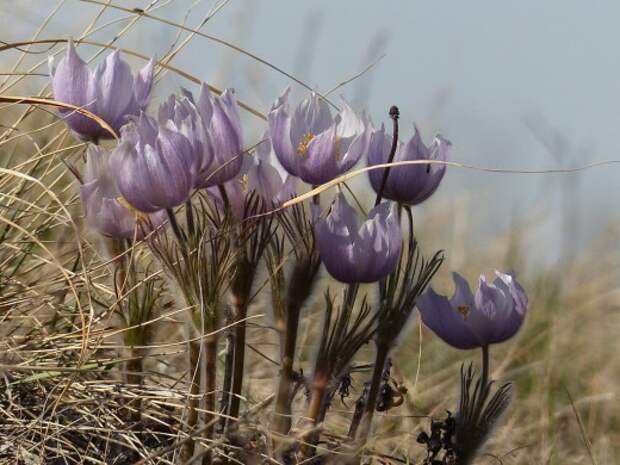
pixel 63 400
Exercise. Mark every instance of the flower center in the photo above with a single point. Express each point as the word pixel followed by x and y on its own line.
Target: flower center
pixel 302 147
pixel 463 310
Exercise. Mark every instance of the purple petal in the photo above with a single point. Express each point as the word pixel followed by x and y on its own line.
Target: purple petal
pixel 463 296
pixel 335 237
pixel 492 305
pixel 377 248
pixel 446 322
pixel 349 151
pixel 319 164
pixel 349 124
pixel 263 149
pixel 205 103
pixel 516 291
pixel 411 184
pixel 72 84
pixel 225 133
pixel 280 135
pixel 265 180
pixel 378 151
pixel 71 79
pixel 143 85
pixel 288 191
pixel 114 87
pixel 311 117
pixel 155 177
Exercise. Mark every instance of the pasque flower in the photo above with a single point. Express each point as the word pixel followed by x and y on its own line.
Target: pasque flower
pixel 359 254
pixel 466 321
pixel 258 178
pixel 110 92
pixel 179 114
pixel 409 184
pixel 101 199
pixel 312 145
pixel 265 179
pixel 154 166
pixel 213 127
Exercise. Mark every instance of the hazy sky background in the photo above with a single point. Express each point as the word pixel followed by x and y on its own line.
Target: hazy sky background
pixel 480 72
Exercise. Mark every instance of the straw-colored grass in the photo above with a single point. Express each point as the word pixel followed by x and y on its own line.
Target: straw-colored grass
pixel 62 398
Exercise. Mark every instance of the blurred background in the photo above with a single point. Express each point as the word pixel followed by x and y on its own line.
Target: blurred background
pixel 525 85
pixel 514 85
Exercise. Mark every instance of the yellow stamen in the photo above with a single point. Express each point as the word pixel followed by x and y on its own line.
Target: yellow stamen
pixel 244 183
pixel 302 147
pixel 463 310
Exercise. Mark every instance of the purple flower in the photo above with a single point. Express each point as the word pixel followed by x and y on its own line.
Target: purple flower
pixel 359 254
pixel 100 197
pixel 154 166
pixel 409 184
pixel 311 144
pixel 110 92
pixel 466 321
pixel 260 178
pixel 266 180
pixel 180 115
pixel 213 127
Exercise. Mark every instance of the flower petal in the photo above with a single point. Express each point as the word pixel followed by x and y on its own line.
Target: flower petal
pixel 143 85
pixel 72 83
pixel 319 164
pixel 447 323
pixel 312 116
pixel 335 237
pixel 280 134
pixel 114 90
pixel 377 248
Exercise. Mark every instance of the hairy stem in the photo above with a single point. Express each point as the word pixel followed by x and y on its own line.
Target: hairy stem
pixel 229 360
pixel 192 404
pixel 316 414
pixel 241 310
pixel 241 287
pixel 209 378
pixel 133 376
pixel 358 413
pixel 299 288
pixel 282 420
pixel 381 356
